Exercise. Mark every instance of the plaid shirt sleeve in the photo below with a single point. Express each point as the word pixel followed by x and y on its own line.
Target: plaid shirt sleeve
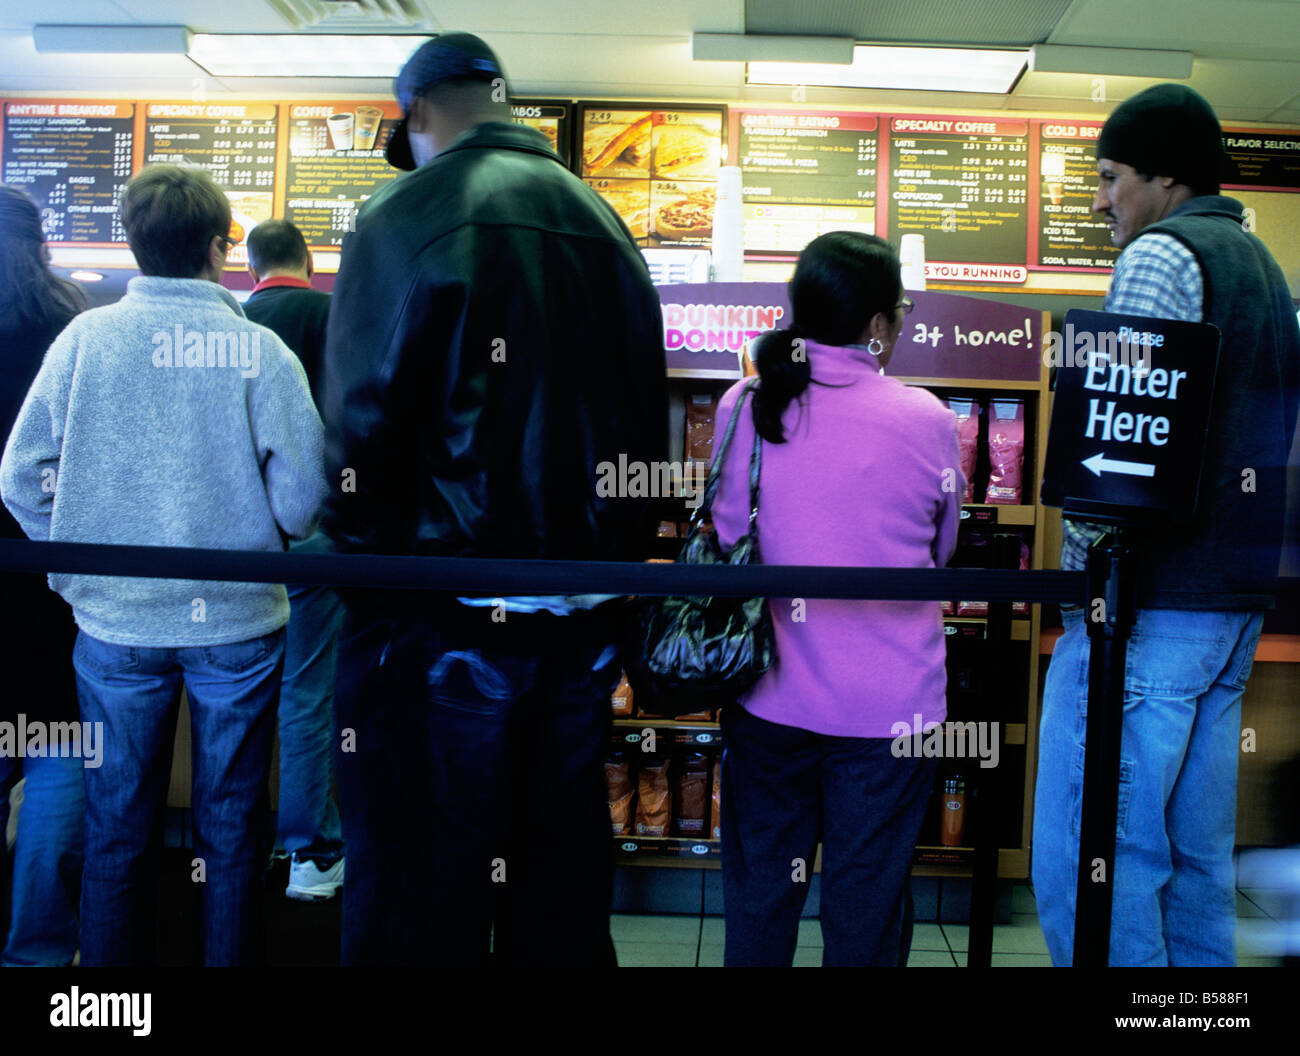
pixel 1157 276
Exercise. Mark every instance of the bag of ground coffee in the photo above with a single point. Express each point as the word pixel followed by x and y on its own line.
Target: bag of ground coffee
pixel 618 780
pixel 692 814
pixel 654 799
pixel 717 797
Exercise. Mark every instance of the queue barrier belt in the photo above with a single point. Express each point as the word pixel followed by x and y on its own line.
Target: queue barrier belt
pixel 492 577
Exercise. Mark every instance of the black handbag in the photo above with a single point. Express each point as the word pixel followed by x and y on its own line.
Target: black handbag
pixel 700 652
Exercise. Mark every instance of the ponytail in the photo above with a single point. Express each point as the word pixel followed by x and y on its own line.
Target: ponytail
pixel 843 279
pixel 784 373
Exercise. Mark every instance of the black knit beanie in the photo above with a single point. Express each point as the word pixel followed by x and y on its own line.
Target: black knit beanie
pixel 1167 130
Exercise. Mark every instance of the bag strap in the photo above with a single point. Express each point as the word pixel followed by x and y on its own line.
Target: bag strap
pixel 755 469
pixel 720 456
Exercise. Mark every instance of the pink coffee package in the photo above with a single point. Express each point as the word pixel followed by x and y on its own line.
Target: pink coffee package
pixel 1006 451
pixel 968 432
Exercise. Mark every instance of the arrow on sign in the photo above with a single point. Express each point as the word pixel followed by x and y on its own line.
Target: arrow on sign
pixel 1101 464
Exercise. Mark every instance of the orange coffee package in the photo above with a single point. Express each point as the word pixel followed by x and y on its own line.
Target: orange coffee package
pixel 654 800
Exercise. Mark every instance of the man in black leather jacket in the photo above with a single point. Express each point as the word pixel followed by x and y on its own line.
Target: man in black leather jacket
pixel 494 336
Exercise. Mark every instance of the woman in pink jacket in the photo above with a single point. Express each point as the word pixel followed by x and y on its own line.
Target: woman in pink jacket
pixel 858 469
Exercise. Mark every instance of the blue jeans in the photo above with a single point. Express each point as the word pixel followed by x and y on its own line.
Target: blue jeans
pixel 783 790
pixel 1174 902
pixel 309 819
pixel 47 859
pixel 473 789
pixel 135 692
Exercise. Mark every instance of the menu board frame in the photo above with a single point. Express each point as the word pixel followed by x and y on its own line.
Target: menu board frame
pixel 1264 134
pixel 1037 182
pixel 137 145
pixel 649 241
pixel 565 140
pixel 939 270
pixel 390 114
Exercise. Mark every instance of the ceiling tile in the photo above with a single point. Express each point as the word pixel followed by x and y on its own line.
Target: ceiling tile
pixel 1005 22
pixel 1259 29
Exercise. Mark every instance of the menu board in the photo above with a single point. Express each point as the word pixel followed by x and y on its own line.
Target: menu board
pixel 1262 160
pixel 73 159
pixel 657 168
pixel 805 174
pixel 550 119
pixel 235 142
pixel 1070 234
pixel 336 161
pixel 962 183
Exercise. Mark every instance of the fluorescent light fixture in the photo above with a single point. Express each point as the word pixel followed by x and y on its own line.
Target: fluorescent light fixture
pixel 86 276
pixel 903 68
pixel 741 47
pixel 1111 62
pixel 111 40
pixel 303 54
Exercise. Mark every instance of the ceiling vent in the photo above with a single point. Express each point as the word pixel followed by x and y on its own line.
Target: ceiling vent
pixel 339 15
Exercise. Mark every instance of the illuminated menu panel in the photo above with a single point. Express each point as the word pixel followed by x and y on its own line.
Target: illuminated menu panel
pixel 1070 234
pixel 73 158
pixel 1261 159
pixel 962 183
pixel 805 174
pixel 657 168
pixel 550 119
pixel 234 142
pixel 336 161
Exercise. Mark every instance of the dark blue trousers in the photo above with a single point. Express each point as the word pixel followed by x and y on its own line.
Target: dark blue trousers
pixel 471 778
pixel 785 789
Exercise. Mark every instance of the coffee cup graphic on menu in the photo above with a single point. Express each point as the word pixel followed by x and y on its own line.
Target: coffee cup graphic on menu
pixel 1054 177
pixel 367 127
pixel 340 126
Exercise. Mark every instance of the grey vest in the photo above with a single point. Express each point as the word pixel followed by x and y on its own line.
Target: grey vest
pixel 1227 556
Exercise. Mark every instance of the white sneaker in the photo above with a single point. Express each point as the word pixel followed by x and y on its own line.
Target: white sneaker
pixel 308 884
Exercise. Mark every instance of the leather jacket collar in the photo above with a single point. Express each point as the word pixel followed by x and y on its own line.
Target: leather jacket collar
pixel 502 135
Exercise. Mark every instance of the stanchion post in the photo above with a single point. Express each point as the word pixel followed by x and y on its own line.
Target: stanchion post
pixel 983 785
pixel 1109 615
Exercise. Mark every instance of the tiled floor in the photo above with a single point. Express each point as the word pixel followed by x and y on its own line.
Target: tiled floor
pixel 688 941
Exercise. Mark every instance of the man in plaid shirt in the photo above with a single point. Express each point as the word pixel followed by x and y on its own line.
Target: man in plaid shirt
pixel 1203 585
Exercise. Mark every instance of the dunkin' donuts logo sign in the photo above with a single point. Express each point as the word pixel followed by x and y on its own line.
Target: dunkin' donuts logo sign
pixel 717 327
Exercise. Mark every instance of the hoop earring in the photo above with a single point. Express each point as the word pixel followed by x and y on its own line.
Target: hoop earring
pixel 879 348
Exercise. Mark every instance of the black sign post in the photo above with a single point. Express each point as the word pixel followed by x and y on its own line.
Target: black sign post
pixel 1125 448
pixel 1110 582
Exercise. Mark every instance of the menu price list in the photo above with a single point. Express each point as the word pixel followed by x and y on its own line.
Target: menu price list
pixel 336 162
pixel 963 183
pixel 73 159
pixel 1262 159
pixel 805 174
pixel 234 142
pixel 1070 234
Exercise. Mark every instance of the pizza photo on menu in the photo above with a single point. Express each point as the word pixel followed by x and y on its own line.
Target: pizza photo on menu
pixel 683 217
pixel 630 199
pixel 616 143
pixel 686 150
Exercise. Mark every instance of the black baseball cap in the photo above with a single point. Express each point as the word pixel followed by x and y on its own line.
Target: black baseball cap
pixel 446 57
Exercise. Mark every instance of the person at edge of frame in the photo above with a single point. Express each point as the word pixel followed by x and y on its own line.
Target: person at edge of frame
pixel 169 419
pixel 1203 585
